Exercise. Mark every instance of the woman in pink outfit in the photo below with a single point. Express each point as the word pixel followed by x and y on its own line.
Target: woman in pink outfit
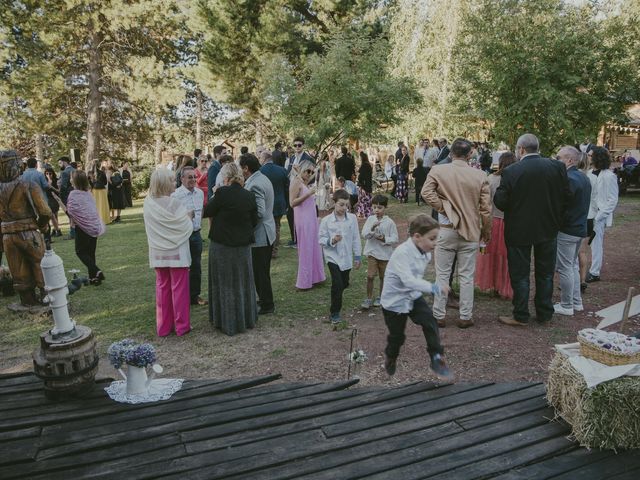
pixel 492 272
pixel 169 226
pixel 302 199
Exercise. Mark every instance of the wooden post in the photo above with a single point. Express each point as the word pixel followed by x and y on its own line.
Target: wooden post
pixel 627 306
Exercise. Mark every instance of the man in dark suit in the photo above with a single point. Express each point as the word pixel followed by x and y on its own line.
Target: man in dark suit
pixel 298 156
pixel 280 183
pixel 533 195
pixel 345 165
pixel 264 231
pixel 444 152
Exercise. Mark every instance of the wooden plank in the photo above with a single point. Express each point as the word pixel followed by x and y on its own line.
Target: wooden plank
pixel 199 439
pixel 110 432
pixel 447 453
pixel 341 451
pixel 630 475
pixel 384 418
pixel 18 451
pixel 501 412
pixel 11 381
pixel 556 465
pixel 489 467
pixel 614 465
pixel 20 433
pixel 59 418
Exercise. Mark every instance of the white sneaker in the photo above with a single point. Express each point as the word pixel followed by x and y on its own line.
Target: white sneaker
pixel 559 309
pixel 578 308
pixel 366 305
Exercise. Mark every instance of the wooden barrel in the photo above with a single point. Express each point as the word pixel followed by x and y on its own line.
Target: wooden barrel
pixel 67 366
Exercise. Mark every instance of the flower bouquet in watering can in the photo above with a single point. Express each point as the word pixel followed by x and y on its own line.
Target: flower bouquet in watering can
pixel 138 357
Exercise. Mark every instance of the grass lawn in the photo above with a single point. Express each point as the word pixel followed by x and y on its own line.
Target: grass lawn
pixel 294 341
pixel 124 305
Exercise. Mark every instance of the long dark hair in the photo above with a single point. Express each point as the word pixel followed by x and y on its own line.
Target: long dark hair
pixel 506 159
pixel 600 158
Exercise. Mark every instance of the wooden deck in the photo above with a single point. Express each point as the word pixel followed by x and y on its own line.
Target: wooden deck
pixel 257 429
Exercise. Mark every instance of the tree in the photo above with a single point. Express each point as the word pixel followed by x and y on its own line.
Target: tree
pixel 345 93
pixel 90 68
pixel 543 66
pixel 244 36
pixel 424 38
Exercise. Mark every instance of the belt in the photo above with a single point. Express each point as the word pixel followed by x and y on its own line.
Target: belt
pixel 196 231
pixel 446 225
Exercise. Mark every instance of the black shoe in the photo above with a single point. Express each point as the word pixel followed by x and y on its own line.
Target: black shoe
pixel 583 287
pixel 100 275
pixel 439 367
pixel 592 278
pixel 390 365
pixel 266 311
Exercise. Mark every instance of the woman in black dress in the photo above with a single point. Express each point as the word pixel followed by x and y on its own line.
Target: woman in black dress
pixel 126 185
pixel 116 195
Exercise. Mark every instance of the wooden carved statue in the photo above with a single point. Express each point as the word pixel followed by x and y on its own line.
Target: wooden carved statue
pixel 24 212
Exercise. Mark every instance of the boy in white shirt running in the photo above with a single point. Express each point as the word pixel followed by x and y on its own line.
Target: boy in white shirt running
pixel 340 240
pixel 380 233
pixel 402 295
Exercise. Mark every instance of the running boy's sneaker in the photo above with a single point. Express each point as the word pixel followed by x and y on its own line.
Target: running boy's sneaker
pixel 366 304
pixel 439 367
pixel 335 318
pixel 376 302
pixel 390 365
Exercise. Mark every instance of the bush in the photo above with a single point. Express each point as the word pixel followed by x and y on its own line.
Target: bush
pixel 140 181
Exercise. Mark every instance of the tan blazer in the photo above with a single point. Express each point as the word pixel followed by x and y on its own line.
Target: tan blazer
pixel 461 193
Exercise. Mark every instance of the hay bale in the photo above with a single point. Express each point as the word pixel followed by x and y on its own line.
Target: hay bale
pixel 606 416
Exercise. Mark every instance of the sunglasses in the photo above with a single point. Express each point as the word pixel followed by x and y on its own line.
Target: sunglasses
pixel 297 144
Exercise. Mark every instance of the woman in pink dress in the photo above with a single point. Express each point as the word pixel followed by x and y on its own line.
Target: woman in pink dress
pixel 492 272
pixel 302 199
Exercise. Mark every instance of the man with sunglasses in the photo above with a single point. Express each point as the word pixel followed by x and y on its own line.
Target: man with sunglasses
pixel 298 157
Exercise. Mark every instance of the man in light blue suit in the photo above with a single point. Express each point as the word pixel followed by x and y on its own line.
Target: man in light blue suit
pixel 280 182
pixel 264 232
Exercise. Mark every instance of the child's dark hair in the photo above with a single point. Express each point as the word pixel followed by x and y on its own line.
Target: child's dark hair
pixel 379 199
pixel 340 195
pixel 422 224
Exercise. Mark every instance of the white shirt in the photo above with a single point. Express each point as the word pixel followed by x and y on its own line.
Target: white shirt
pixel 403 278
pixel 377 248
pixel 419 152
pixel 341 252
pixel 430 157
pixel 191 201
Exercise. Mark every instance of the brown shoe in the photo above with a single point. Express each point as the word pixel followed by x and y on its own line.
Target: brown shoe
pixel 201 301
pixel 442 323
pixel 512 321
pixel 465 323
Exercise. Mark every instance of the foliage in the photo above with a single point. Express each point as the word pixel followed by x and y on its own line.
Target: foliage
pixel 104 74
pixel 423 36
pixel 243 35
pixel 543 66
pixel 345 93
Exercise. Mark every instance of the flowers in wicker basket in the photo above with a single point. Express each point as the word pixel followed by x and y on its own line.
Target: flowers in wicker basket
pixel 612 341
pixel 129 352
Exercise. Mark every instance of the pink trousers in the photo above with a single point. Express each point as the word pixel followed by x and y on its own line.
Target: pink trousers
pixel 172 301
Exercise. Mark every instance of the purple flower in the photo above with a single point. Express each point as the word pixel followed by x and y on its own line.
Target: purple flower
pixel 141 355
pixel 118 350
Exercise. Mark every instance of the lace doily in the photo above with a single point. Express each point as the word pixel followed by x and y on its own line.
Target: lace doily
pixel 159 389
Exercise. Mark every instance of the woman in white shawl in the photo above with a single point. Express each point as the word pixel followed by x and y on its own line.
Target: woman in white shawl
pixel 168 226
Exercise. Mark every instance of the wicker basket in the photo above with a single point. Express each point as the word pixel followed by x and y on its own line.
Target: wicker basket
pixel 602 355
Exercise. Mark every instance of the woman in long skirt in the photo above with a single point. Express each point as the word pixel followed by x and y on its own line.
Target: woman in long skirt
pixel 232 293
pixel 492 271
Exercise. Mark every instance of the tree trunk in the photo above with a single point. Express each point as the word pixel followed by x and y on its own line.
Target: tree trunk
pixel 134 151
pixel 258 125
pixel 39 147
pixel 95 97
pixel 158 139
pixel 198 117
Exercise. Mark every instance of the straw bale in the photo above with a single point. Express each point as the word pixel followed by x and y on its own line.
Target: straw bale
pixel 606 416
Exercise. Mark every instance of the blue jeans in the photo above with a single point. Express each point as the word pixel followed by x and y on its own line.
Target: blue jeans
pixel 519 258
pixel 195 271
